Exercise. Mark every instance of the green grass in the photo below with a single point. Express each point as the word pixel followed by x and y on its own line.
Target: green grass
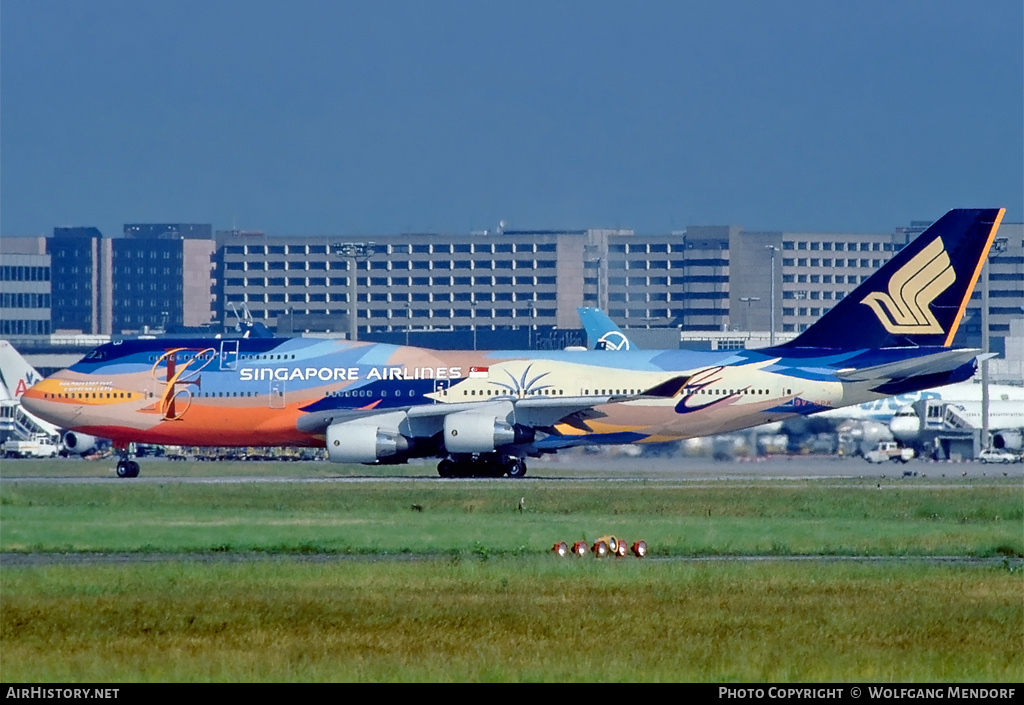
pixel 345 581
pixel 824 517
pixel 512 619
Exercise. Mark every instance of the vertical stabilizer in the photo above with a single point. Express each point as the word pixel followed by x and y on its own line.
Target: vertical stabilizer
pixel 16 376
pixel 602 333
pixel 918 297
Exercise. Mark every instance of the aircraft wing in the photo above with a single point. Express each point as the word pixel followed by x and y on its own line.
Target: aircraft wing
pixel 532 411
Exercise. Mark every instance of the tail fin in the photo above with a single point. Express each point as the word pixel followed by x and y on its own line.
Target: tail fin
pixel 602 333
pixel 919 296
pixel 15 373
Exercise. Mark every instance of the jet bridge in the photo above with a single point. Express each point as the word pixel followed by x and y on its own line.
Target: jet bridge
pixel 945 433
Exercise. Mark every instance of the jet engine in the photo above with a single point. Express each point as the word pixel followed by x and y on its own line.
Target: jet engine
pixel 355 442
pixel 78 443
pixel 1008 440
pixel 476 432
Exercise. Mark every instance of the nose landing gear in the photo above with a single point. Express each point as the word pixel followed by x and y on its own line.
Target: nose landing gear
pixel 126 467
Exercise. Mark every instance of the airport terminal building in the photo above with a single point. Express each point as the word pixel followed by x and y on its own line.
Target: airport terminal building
pixel 716 286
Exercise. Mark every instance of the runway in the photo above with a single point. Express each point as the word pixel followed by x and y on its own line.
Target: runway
pixel 578 467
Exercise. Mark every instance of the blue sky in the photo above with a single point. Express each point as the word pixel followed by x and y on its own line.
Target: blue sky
pixel 328 117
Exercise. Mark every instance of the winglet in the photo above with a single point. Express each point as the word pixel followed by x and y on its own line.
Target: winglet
pixel 918 298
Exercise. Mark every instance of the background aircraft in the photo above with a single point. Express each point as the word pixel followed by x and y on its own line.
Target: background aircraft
pixel 911 424
pixel 602 333
pixel 17 376
pixel 482 413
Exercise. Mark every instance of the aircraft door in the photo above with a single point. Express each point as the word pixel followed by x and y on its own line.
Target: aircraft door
pixel 934 413
pixel 228 354
pixel 441 387
pixel 277 394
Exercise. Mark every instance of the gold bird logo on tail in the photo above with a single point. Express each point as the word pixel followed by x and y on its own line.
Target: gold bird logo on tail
pixel 905 309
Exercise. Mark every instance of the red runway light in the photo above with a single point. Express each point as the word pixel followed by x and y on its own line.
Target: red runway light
pixel 640 549
pixel 580 548
pixel 561 548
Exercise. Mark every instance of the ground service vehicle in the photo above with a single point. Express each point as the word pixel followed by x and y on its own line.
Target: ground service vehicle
pixel 889 450
pixel 995 455
pixel 39 445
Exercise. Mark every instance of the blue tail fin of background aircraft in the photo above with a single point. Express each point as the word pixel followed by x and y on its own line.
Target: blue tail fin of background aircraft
pixel 602 333
pixel 918 298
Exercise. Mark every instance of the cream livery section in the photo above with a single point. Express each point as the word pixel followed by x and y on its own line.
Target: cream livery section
pixel 483 413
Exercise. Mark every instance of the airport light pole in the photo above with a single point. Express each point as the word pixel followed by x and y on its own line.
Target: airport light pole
pixel 748 300
pixel 599 261
pixel 998 247
pixel 354 252
pixel 529 331
pixel 774 249
pixel 472 305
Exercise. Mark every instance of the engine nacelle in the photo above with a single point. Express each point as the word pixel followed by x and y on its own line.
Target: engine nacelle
pixel 476 432
pixel 1008 440
pixel 355 442
pixel 78 443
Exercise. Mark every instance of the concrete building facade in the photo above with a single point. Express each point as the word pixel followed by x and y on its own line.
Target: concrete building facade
pixel 25 287
pixel 154 277
pixel 714 283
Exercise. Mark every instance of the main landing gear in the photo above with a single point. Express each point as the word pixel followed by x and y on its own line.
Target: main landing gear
pixel 126 467
pixel 482 465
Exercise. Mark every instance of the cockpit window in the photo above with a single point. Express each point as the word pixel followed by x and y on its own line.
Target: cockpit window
pixel 95 356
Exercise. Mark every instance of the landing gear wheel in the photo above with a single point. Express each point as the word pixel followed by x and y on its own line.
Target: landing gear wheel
pixel 127 468
pixel 446 468
pixel 515 468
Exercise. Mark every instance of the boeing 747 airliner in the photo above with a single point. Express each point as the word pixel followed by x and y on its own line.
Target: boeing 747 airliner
pixel 482 413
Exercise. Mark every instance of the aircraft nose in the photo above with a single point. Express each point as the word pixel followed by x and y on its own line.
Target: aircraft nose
pixel 33 400
pixel 41 401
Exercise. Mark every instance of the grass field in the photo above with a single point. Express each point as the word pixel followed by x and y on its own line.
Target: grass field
pixel 347 581
pixel 780 517
pixel 511 619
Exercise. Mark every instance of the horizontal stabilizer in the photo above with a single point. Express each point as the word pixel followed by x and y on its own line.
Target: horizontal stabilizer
pixel 915 367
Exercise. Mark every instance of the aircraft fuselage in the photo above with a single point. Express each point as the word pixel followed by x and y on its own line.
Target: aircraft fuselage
pixel 286 391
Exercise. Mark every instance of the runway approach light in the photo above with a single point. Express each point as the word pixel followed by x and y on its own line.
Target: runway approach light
pixel 605 545
pixel 602 547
